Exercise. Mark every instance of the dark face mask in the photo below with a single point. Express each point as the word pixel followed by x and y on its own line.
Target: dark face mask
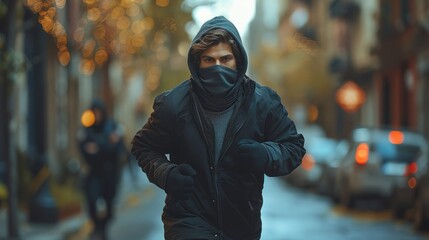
pixel 217 87
pixel 218 80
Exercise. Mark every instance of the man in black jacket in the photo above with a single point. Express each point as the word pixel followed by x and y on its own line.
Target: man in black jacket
pixel 222 132
pixel 102 147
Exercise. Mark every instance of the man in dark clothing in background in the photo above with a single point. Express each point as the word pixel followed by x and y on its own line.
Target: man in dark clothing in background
pixel 102 147
pixel 222 132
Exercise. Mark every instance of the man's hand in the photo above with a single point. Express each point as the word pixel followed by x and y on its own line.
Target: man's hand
pixel 252 155
pixel 180 181
pixel 114 138
pixel 91 147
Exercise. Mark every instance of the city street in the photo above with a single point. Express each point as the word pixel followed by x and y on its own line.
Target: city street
pixel 288 213
pixel 346 80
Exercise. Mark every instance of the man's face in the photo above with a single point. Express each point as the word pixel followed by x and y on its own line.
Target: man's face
pixel 99 116
pixel 220 54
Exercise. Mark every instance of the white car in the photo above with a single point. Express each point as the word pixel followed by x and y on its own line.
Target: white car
pixel 384 163
pixel 320 150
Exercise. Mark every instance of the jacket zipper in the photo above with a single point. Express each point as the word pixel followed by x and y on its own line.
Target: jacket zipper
pixel 213 165
pixel 231 140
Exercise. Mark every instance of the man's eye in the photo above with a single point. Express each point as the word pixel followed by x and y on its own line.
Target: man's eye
pixel 208 60
pixel 226 59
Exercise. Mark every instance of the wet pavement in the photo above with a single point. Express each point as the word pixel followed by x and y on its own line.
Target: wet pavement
pixel 288 213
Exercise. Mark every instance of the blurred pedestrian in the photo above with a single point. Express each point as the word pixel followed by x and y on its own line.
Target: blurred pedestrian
pixel 102 147
pixel 222 132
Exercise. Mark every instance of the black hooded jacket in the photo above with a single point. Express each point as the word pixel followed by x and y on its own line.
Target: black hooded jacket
pixel 227 200
pixel 105 161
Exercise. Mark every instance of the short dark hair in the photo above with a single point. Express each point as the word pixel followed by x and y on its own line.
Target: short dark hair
pixel 213 38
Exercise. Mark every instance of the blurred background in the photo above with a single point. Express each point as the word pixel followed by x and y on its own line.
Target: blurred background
pixel 340 66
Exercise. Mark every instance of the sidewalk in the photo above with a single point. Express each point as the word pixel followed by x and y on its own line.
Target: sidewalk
pixel 39 231
pixel 76 227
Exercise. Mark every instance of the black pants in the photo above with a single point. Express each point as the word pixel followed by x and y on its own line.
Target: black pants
pixel 96 188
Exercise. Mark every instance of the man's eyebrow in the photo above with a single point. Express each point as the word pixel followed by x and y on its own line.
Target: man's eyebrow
pixel 227 55
pixel 223 56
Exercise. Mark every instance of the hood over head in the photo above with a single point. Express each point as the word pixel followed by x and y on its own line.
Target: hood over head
pixel 98 104
pixel 216 23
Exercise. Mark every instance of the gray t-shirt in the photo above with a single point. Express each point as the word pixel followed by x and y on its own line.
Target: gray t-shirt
pixel 220 122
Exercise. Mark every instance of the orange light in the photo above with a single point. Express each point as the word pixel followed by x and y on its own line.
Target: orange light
pixel 162 3
pixel 412 182
pixel 307 162
pixel 362 154
pixel 88 118
pixel 396 137
pixel 350 96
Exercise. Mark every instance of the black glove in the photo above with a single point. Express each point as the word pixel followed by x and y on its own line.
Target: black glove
pixel 180 181
pixel 252 155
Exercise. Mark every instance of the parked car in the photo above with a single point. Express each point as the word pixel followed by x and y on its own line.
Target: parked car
pixel 383 163
pixel 326 184
pixel 319 151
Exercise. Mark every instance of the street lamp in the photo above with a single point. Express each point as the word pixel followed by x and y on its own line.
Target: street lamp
pixel 350 96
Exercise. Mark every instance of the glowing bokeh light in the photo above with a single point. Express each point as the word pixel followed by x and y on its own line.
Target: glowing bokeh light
pixel 101 56
pixel 350 96
pixel 396 137
pixel 87 67
pixel 162 3
pixel 46 11
pixel 64 57
pixel 94 14
pixel 412 182
pixel 88 118
pixel 362 154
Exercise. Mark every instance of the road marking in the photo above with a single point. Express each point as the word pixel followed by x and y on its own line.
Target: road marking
pixel 363 215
